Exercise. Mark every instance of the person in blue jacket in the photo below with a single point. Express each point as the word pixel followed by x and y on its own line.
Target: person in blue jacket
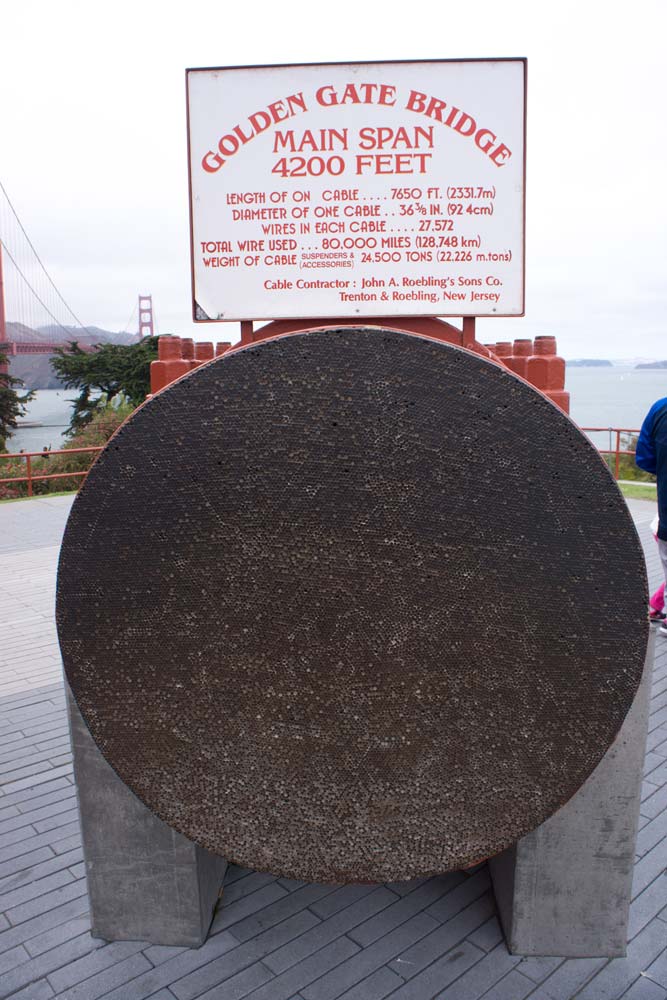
pixel 651 455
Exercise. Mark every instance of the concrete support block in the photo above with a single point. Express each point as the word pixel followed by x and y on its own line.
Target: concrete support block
pixel 145 881
pixel 564 889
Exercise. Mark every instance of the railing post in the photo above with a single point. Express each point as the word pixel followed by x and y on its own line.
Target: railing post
pixel 29 470
pixel 617 464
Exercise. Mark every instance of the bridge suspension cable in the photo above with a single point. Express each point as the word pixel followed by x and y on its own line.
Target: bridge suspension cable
pixel 32 298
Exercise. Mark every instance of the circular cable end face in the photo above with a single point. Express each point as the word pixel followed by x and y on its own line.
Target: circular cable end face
pixel 352 605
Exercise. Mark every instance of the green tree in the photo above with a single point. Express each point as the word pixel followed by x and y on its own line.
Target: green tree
pixel 12 405
pixel 109 371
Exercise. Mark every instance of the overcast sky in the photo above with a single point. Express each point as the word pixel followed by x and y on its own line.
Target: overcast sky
pixel 93 144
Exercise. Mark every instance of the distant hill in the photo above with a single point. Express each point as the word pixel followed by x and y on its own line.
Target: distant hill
pixel 35 369
pixel 588 363
pixel 91 335
pixel 652 364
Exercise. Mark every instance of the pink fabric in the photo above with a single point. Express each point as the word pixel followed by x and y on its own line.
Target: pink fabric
pixel 657 600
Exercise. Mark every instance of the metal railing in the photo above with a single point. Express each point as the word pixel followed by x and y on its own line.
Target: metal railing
pixel 614 435
pixel 31 477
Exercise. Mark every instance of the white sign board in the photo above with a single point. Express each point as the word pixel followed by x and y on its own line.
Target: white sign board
pixel 365 189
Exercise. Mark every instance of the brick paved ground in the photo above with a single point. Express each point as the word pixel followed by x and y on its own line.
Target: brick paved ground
pixel 272 939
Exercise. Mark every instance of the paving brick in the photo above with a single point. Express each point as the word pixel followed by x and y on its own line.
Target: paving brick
pixel 55 732
pixel 337 899
pixel 152 980
pixel 67 844
pixel 35 991
pixel 482 976
pixel 30 843
pixel 32 792
pixel 55 743
pixel 64 804
pixel 235 872
pixel 424 896
pixel 619 973
pixel 24 863
pixel 283 908
pixel 403 888
pixel 652 864
pixel 456 900
pixel 40 967
pixel 58 935
pixel 658 701
pixel 656 803
pixel 291 884
pixel 33 889
pixel 334 957
pixel 440 974
pixel 25 911
pixel 78 870
pixel 651 833
pixel 55 724
pixel 229 964
pixel 240 985
pixel 10 959
pixel 18 764
pixel 10 936
pixel 62 792
pixel 658 719
pixel 658 969
pixel 328 930
pixel 658 736
pixel 648 789
pixel 8 813
pixel 644 989
pixel 234 912
pixel 245 886
pixel 29 728
pixel 378 985
pixel 646 906
pixel 443 938
pixel 659 774
pixel 651 761
pixel 161 995
pixel 99 984
pixel 27 753
pixel 361 965
pixel 28 785
pixel 488 935
pixel 538 969
pixel 159 953
pixel 20 835
pixel 30 697
pixel 89 966
pixel 12 739
pixel 513 987
pixel 57 820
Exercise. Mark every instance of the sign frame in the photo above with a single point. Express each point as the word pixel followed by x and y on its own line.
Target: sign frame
pixel 313 312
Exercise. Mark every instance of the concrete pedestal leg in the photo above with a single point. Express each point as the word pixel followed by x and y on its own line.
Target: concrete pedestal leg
pixel 145 881
pixel 565 888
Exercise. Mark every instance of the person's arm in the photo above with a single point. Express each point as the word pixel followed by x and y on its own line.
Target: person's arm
pixel 645 452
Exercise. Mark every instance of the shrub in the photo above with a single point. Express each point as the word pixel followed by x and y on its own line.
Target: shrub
pixel 94 434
